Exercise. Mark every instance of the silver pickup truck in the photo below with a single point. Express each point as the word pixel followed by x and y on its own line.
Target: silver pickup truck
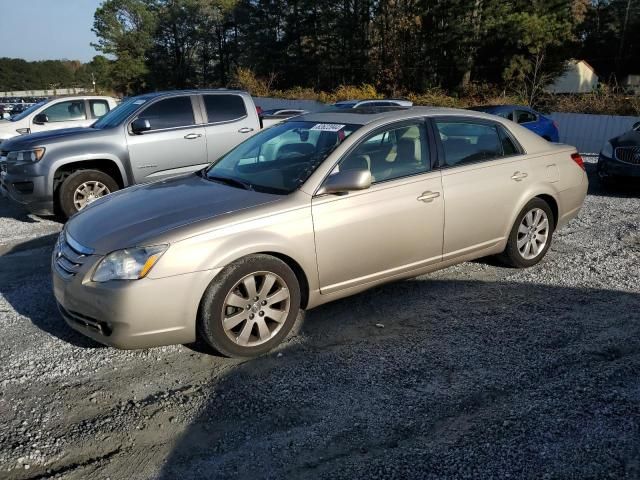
pixel 145 138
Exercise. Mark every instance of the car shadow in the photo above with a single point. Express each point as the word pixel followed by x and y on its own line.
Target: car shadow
pixel 433 378
pixel 25 283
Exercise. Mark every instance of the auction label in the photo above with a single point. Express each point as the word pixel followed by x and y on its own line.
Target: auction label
pixel 327 127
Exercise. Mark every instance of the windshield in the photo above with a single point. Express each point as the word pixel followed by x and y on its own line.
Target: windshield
pixel 281 158
pixel 21 115
pixel 116 116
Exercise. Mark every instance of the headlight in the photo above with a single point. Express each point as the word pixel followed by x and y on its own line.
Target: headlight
pixel 33 155
pixel 607 150
pixel 128 264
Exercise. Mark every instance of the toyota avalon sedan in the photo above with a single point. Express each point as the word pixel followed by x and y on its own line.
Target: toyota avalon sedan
pixel 317 208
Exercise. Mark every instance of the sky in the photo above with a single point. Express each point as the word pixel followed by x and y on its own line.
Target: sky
pixel 47 29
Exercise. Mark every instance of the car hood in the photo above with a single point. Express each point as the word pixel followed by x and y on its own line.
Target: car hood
pixel 628 139
pixel 144 214
pixel 23 142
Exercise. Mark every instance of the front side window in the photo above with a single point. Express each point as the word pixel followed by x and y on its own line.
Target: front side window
pixel 169 113
pixel 468 142
pixel 224 108
pixel 66 111
pixel 281 158
pixel 394 153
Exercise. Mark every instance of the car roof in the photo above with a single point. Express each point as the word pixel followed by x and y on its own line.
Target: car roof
pixel 365 116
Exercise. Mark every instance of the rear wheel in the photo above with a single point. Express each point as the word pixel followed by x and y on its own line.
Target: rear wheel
pixel 250 307
pixel 83 187
pixel 530 236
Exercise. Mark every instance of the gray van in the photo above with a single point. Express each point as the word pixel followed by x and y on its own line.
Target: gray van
pixel 145 138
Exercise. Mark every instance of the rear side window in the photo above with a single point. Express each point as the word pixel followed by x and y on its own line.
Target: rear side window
pixel 468 142
pixel 525 117
pixel 66 111
pixel 169 113
pixel 98 108
pixel 224 108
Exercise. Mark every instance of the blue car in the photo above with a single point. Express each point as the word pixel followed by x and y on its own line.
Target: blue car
pixel 525 116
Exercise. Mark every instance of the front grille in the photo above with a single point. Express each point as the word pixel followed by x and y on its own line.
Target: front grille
pixel 628 155
pixel 68 259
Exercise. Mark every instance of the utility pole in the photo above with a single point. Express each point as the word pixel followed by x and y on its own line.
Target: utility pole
pixel 93 80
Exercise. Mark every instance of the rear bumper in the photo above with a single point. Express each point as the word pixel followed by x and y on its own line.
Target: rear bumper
pixel 571 201
pixel 131 314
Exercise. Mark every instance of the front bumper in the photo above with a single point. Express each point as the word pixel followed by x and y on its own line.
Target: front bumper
pixel 30 190
pixel 615 168
pixel 130 314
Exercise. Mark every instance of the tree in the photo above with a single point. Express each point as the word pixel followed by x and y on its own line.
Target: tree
pixel 125 30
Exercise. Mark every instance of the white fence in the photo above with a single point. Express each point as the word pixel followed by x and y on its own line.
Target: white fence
pixel 588 133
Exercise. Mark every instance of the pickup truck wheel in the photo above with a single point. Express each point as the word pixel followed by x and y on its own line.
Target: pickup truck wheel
pixel 250 307
pixel 83 187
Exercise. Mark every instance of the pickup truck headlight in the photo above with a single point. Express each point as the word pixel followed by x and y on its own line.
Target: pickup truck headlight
pixel 128 264
pixel 33 155
pixel 607 150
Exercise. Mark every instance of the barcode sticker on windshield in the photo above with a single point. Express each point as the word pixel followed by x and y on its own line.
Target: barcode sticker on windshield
pixel 327 127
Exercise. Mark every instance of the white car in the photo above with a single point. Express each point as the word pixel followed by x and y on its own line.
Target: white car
pixel 55 113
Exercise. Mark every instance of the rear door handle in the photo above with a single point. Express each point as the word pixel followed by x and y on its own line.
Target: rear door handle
pixel 519 176
pixel 427 197
pixel 245 130
pixel 192 136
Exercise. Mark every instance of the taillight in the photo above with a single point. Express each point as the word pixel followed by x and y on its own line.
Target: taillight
pixel 576 157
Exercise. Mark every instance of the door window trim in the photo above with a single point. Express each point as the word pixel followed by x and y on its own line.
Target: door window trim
pixel 478 121
pixel 195 108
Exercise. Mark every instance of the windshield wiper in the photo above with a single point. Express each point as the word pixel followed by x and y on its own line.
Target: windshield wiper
pixel 229 181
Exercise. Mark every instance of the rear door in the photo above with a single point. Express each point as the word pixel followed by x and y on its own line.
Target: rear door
pixel 228 121
pixel 175 143
pixel 483 172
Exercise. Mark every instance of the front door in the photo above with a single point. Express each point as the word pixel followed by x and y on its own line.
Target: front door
pixel 175 143
pixel 63 114
pixel 394 226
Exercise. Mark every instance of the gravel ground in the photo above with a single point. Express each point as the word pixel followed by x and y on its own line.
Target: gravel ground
pixel 476 371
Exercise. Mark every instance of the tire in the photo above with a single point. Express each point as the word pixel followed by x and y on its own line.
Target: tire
pixel 515 254
pixel 227 297
pixel 95 180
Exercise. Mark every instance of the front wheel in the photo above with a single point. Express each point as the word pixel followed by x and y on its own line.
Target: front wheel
pixel 250 307
pixel 83 187
pixel 530 236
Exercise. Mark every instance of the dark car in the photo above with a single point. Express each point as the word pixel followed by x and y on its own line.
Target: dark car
pixel 525 116
pixel 620 157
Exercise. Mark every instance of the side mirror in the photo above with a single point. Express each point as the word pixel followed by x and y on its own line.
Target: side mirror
pixel 140 125
pixel 636 126
pixel 346 181
pixel 40 119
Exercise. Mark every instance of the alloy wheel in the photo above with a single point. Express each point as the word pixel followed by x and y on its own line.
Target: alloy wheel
pixel 255 309
pixel 533 233
pixel 88 192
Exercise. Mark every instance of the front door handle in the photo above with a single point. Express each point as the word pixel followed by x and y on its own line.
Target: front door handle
pixel 192 136
pixel 519 176
pixel 427 197
pixel 245 130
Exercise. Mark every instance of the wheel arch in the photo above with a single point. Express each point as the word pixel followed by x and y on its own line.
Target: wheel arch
pixel 297 270
pixel 553 205
pixel 109 166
